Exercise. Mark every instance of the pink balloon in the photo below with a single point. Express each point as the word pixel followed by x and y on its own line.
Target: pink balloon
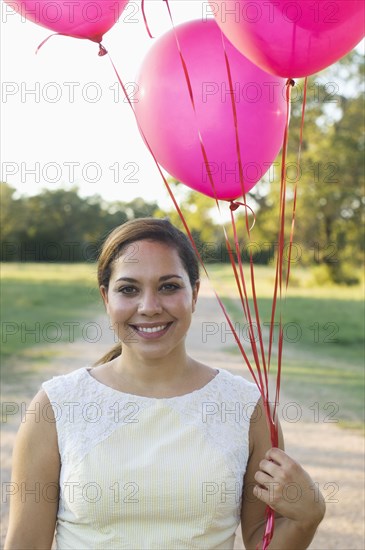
pixel 167 119
pixel 292 39
pixel 77 18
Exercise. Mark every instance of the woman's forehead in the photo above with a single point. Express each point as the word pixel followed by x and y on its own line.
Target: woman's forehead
pixel 148 257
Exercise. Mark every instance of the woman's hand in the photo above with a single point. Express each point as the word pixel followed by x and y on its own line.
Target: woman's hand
pixel 273 478
pixel 288 489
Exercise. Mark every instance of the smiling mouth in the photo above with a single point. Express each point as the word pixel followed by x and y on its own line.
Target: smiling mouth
pixel 152 332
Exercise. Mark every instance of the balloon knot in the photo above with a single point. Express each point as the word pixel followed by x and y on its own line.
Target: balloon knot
pixel 102 50
pixel 290 82
pixel 234 205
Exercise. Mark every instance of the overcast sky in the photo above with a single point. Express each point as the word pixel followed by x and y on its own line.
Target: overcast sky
pixel 63 116
pixel 64 120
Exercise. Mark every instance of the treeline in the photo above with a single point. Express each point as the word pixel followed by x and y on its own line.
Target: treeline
pixel 59 225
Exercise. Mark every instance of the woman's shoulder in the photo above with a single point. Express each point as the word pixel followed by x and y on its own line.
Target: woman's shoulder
pixel 228 386
pixel 65 384
pixel 37 428
pixel 237 382
pixel 65 378
pixel 67 375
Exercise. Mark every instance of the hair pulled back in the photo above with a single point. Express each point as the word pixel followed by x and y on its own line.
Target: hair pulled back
pixel 139 229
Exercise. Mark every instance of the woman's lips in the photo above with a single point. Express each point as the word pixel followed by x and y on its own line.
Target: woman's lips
pixel 153 332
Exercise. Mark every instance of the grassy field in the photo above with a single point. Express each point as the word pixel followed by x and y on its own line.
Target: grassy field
pixel 323 358
pixel 45 303
pixel 323 326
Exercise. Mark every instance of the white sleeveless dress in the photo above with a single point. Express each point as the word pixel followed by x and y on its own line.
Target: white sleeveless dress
pixel 143 473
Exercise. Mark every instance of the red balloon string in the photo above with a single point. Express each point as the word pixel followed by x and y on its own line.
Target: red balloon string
pixel 246 308
pixel 296 181
pixel 281 244
pixel 46 40
pixel 255 303
pixel 264 386
pixel 270 518
pixel 291 237
pixel 145 20
pixel 191 95
pixel 234 205
pixel 272 416
pixel 239 157
pixel 269 529
pixel 279 263
pixel 102 50
pixel 235 122
pixel 258 323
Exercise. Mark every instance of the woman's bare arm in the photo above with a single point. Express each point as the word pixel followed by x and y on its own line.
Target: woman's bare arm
pixel 273 478
pixel 34 485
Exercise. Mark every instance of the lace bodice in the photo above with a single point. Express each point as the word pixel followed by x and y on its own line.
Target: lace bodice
pixel 142 473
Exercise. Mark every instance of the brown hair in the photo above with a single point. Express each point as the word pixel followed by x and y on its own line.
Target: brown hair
pixel 139 229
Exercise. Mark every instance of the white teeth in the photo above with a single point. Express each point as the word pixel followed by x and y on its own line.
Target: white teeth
pixel 152 329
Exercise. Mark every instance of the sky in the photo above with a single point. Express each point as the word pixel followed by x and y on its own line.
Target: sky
pixel 64 118
pixel 65 121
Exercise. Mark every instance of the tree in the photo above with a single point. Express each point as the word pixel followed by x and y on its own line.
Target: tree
pixel 12 222
pixel 331 184
pixel 60 225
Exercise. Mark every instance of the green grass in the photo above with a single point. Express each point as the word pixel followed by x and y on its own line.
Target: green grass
pixel 323 357
pixel 301 283
pixel 325 328
pixel 45 303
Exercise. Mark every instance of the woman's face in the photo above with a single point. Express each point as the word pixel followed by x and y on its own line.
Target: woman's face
pixel 150 300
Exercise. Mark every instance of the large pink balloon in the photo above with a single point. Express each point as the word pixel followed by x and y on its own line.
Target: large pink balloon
pixel 77 18
pixel 291 39
pixel 166 117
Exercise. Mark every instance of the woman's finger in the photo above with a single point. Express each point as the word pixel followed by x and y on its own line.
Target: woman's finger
pixel 269 467
pixel 263 479
pixel 266 494
pixel 278 456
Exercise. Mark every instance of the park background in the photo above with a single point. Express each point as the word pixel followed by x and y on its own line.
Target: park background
pixel 52 227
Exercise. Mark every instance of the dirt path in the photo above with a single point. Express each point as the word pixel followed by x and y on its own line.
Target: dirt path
pixel 334 458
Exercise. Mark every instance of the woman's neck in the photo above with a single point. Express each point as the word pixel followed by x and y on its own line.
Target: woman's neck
pixel 162 375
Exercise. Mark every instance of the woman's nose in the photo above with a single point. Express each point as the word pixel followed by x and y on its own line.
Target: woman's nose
pixel 149 303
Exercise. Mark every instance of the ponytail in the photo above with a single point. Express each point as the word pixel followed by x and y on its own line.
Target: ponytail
pixel 116 351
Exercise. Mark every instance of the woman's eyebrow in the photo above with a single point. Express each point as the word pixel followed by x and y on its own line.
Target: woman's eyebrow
pixel 163 278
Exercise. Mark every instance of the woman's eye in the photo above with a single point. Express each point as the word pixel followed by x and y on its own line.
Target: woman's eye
pixel 128 290
pixel 170 287
pixel 132 290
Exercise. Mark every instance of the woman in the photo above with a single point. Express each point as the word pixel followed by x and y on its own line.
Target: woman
pixel 143 451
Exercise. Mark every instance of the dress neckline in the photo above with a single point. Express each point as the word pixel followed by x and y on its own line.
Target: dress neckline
pixel 136 396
